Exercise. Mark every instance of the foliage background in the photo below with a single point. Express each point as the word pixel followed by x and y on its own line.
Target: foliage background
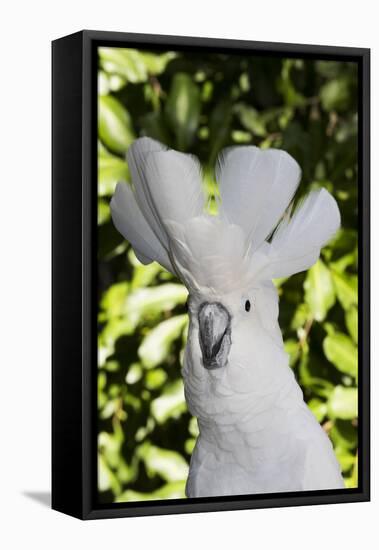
pixel 200 103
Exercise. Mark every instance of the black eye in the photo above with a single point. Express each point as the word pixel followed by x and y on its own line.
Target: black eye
pixel 247 305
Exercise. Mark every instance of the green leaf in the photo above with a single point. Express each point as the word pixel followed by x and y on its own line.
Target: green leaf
pixel 345 261
pixel 156 345
pixel 102 83
pixel 319 408
pixel 319 290
pixel 113 300
pixel 125 62
pixel 344 434
pixel 250 119
pixel 134 374
pixel 171 404
pixel 110 445
pixel 344 241
pixel 292 97
pixel 238 136
pixel 353 482
pixel 103 212
pixel 111 170
pixel 133 65
pixel 193 427
pixel 114 329
pixel 328 69
pixel 183 109
pixel 116 82
pixel 169 490
pixel 280 281
pixel 219 127
pixel 351 318
pixel 189 445
pixel 155 378
pixel 107 480
pixel 301 315
pixel 143 275
pixel 345 458
pixel 155 127
pixel 109 409
pixel 313 374
pixel 115 125
pixel 335 94
pixel 150 302
pixel 346 287
pixel 293 349
pixel 343 403
pixel 342 352
pixel 169 465
pixel 156 63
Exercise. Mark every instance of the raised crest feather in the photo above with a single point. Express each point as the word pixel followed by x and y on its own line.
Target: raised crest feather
pixel 256 186
pixel 297 241
pixel 129 221
pixel 163 215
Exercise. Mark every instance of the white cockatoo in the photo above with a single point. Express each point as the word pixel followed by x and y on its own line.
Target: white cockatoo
pixel 257 435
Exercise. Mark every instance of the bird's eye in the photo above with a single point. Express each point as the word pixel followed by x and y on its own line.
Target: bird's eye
pixel 247 305
pixel 186 304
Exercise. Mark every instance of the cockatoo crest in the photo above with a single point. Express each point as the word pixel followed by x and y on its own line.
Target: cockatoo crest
pixel 163 216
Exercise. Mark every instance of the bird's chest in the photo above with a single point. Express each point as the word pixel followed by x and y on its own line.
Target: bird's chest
pixel 247 440
pixel 236 464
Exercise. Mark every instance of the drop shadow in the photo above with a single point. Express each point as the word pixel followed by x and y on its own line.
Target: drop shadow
pixel 42 497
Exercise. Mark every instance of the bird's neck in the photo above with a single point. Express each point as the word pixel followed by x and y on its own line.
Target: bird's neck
pixel 255 413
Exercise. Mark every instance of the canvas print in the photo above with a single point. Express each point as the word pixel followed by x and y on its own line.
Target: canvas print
pixel 227 275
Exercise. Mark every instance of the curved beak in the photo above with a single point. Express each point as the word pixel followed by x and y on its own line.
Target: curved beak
pixel 214 334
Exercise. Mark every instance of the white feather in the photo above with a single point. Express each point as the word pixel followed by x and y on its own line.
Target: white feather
pixel 129 221
pixel 256 187
pixel 174 186
pixel 136 156
pixel 297 242
pixel 167 185
pixel 209 253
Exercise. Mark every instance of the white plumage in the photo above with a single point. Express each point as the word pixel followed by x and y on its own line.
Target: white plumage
pixel 256 433
pixel 252 191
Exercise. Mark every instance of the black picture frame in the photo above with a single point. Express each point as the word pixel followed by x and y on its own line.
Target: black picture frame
pixel 74 358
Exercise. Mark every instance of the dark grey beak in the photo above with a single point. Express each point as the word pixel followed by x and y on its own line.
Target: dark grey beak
pixel 214 334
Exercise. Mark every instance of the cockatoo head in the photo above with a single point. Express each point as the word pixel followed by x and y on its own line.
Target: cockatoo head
pixel 226 261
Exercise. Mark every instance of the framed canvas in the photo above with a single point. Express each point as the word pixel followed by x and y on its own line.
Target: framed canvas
pixel 210 275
